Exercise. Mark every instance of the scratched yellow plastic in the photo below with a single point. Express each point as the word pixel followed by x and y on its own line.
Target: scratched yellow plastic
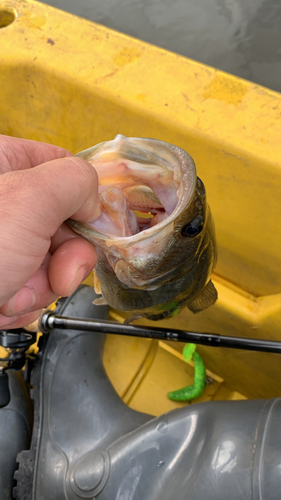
pixel 74 83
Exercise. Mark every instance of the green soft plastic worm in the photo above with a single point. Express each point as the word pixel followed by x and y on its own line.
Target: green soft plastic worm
pixel 191 391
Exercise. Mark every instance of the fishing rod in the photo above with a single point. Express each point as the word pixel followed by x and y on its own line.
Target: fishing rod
pixel 50 320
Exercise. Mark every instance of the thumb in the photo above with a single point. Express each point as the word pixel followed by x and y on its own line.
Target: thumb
pixel 33 204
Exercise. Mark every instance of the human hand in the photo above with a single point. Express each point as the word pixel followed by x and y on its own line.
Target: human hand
pixel 41 258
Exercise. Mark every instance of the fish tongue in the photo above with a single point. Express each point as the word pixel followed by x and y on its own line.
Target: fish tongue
pixel 142 198
pixel 116 218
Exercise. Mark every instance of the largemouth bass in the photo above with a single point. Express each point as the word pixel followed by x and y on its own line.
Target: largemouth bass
pixel 155 237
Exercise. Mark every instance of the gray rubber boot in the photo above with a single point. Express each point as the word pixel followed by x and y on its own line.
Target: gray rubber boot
pixel 15 431
pixel 77 410
pixel 88 444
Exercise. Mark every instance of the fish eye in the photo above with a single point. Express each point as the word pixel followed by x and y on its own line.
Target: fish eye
pixel 193 228
pixel 200 187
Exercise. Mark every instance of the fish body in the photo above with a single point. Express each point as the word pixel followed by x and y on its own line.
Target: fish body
pixel 155 238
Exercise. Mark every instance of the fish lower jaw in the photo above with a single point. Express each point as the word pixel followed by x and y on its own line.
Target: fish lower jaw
pixel 132 279
pixel 130 276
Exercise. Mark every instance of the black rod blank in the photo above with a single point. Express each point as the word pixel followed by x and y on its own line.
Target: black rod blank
pixel 50 320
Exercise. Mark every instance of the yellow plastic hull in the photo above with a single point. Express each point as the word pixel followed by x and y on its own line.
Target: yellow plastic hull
pixel 74 83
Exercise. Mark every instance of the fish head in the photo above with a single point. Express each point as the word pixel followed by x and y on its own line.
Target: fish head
pixel 155 227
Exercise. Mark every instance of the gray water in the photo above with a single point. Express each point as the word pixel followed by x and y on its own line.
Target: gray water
pixel 242 37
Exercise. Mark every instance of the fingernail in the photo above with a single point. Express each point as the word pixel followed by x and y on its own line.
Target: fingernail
pixel 22 301
pixel 79 277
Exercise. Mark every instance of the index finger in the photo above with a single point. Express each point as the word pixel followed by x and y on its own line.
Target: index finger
pixel 20 154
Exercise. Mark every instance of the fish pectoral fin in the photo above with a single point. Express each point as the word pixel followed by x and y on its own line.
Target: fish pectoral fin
pixel 100 301
pixel 97 286
pixel 206 299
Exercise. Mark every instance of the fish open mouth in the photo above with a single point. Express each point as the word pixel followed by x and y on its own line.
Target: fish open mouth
pixel 134 196
pixel 144 185
pixel 126 212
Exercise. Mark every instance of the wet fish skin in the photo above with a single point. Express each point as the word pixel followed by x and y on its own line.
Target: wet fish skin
pixel 159 271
